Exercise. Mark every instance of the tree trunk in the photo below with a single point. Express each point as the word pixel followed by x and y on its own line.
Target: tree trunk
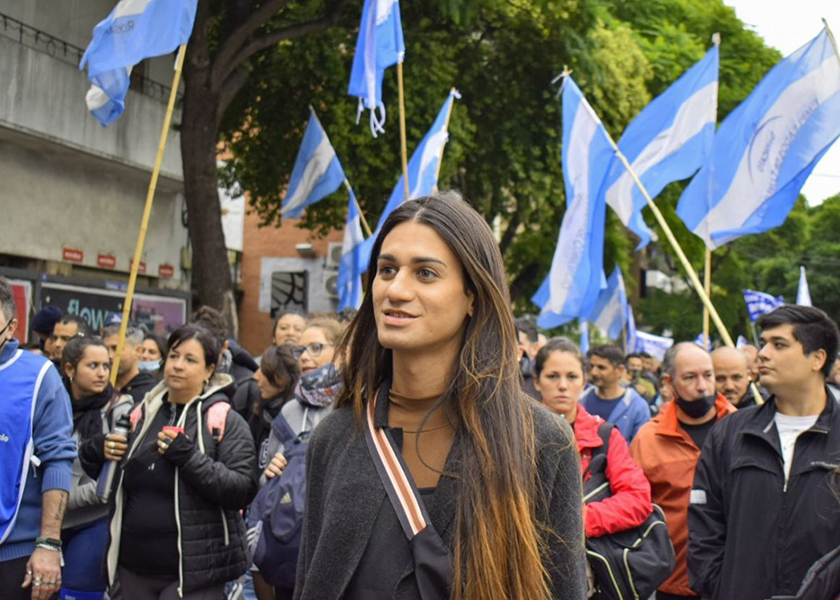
pixel 199 137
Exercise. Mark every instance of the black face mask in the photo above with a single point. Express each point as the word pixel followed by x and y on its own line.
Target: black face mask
pixel 696 408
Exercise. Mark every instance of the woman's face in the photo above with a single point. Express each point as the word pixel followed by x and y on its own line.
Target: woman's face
pixel 420 299
pixel 91 374
pixel 317 350
pixel 150 351
pixel 288 330
pixel 561 382
pixel 267 388
pixel 186 370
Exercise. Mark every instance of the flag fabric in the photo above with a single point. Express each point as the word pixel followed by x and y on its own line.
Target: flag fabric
pixel 760 303
pixel 741 342
pixel 574 281
pixel 700 339
pixel 350 268
pixel 803 294
pixel 380 45
pixel 631 341
pixel 317 172
pixel 655 345
pixel 135 30
pixel 583 327
pixel 423 170
pixel 669 141
pixel 610 310
pixel 767 147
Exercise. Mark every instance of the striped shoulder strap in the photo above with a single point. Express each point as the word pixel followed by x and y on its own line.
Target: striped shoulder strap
pixel 402 492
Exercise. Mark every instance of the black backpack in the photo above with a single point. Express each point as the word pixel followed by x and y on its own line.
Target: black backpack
pixel 630 564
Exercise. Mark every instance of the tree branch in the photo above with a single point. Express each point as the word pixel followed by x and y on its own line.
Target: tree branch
pixel 224 65
pixel 228 92
pixel 510 231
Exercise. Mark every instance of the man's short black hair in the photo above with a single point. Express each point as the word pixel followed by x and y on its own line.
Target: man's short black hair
pixel 608 352
pixel 811 327
pixel 527 327
pixel 7 299
pixel 212 320
pixel 645 355
pixel 632 355
pixel 81 324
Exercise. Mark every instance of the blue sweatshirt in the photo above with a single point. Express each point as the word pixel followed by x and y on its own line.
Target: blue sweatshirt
pixel 52 435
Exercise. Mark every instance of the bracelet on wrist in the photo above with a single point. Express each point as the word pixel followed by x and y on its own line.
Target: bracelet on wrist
pixel 51 548
pixel 48 540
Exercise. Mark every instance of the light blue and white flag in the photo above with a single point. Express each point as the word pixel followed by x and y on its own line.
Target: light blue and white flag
pixel 655 345
pixel 135 30
pixel 669 141
pixel 708 342
pixel 317 172
pixel 423 170
pixel 767 147
pixel 803 294
pixel 574 281
pixel 610 310
pixel 583 328
pixel 350 269
pixel 760 303
pixel 631 342
pixel 380 45
pixel 741 342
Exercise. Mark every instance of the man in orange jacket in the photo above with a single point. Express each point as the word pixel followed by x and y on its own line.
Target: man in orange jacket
pixel 667 448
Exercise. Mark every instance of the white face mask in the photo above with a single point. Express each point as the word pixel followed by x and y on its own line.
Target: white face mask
pixel 148 365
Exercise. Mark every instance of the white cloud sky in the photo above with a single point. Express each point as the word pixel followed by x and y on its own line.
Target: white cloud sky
pixel 787 25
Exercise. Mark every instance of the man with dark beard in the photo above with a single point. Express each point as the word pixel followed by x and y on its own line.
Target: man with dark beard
pixel 667 448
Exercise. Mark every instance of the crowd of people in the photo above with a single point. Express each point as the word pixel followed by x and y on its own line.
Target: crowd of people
pixel 428 446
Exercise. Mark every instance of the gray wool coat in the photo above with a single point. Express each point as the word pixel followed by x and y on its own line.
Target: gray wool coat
pixel 345 496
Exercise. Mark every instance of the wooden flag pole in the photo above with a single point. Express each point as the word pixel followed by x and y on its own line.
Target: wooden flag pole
pixel 358 208
pixel 147 212
pixel 403 143
pixel 707 285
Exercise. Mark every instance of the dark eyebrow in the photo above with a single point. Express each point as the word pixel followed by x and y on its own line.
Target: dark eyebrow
pixel 415 261
pixel 775 338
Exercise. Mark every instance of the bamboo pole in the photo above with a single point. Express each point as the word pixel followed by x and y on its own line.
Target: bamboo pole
pixel 403 143
pixel 358 208
pixel 707 285
pixel 147 212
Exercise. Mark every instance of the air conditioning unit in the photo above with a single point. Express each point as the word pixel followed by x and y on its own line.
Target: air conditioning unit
pixel 331 285
pixel 334 254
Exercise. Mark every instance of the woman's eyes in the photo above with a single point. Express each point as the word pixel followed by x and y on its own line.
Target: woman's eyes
pixel 387 270
pixel 426 273
pixel 422 273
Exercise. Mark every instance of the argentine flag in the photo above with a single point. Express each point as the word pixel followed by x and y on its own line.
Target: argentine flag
pixel 135 30
pixel 350 269
pixel 767 147
pixel 761 303
pixel 610 311
pixel 423 169
pixel 380 45
pixel 631 342
pixel 317 172
pixel 574 281
pixel 803 294
pixel 669 141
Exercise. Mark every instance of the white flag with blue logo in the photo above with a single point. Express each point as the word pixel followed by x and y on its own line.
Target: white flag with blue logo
pixel 423 169
pixel 610 310
pixel 741 342
pixel 380 45
pixel 655 345
pixel 669 141
pixel 767 147
pixel 700 339
pixel 317 172
pixel 761 303
pixel 574 281
pixel 803 294
pixel 350 269
pixel 135 30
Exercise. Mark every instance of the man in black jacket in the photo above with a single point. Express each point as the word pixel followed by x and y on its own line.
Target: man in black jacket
pixel 765 503
pixel 130 379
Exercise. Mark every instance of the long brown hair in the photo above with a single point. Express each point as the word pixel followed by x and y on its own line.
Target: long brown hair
pixel 498 543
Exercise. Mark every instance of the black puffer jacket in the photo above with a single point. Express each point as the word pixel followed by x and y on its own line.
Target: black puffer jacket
pixel 215 480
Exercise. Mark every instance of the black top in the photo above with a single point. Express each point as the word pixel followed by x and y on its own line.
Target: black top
pixel 139 386
pixel 149 541
pixel 699 432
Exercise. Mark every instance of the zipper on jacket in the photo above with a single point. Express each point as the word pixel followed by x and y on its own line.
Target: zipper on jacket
pixel 180 545
pixel 225 525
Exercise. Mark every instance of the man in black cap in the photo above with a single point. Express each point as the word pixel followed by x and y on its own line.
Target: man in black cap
pixel 43 324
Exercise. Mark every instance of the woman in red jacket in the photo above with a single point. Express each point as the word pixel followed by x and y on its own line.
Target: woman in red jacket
pixel 559 380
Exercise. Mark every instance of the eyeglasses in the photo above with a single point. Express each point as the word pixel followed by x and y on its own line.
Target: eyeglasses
pixel 314 349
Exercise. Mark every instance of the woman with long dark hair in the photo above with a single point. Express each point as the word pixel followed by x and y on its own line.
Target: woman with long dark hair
pixel 433 438
pixel 276 378
pixel 96 408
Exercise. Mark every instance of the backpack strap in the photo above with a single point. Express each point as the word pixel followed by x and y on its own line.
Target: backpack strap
pixel 217 419
pixel 604 432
